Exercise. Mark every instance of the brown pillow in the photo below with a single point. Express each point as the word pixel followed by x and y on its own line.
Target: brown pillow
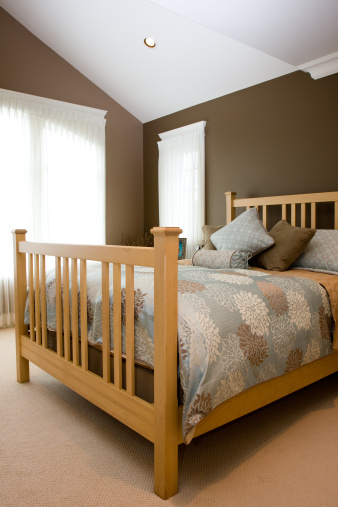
pixel 208 230
pixel 290 242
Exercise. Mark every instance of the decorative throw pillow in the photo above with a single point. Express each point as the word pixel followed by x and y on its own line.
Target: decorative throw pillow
pixel 207 231
pixel 290 242
pixel 246 233
pixel 321 254
pixel 221 259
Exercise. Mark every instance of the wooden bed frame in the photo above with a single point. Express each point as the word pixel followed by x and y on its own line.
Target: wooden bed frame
pixel 159 422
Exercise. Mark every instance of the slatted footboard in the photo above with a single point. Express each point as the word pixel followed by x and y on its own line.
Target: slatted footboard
pixel 158 421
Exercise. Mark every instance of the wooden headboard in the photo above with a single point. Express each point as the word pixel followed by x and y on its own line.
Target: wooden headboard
pixel 284 201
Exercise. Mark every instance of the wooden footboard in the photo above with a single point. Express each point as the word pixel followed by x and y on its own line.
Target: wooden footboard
pixel 158 422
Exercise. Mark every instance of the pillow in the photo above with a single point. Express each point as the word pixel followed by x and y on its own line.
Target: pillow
pixel 290 242
pixel 220 259
pixel 321 254
pixel 207 231
pixel 246 233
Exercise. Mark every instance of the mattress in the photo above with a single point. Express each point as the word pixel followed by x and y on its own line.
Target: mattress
pixel 144 376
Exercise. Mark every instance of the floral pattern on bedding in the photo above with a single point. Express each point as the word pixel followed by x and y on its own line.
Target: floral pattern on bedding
pixel 244 327
pixel 236 328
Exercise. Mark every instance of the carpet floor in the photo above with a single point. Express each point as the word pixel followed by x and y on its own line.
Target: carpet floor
pixel 57 449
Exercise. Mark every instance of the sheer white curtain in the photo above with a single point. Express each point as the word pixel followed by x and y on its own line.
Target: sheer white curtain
pixel 52 178
pixel 181 179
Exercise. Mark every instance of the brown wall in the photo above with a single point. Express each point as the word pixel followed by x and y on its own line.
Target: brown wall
pixel 276 138
pixel 27 65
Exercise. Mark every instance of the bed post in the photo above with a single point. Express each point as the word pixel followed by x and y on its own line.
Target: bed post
pixel 165 361
pixel 20 294
pixel 230 210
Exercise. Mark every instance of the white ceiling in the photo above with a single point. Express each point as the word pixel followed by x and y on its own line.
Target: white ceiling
pixel 205 48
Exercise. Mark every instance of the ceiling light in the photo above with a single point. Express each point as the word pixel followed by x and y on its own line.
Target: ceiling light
pixel 149 42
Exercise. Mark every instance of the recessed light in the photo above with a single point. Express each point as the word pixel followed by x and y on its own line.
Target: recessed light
pixel 149 42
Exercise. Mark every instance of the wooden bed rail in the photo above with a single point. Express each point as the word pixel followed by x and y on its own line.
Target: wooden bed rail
pixel 284 201
pixel 158 422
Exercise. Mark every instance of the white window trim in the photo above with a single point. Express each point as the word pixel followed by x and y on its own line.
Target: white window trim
pixel 181 131
pixel 56 106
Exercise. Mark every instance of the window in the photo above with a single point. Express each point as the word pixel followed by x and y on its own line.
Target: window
pixel 52 177
pixel 181 176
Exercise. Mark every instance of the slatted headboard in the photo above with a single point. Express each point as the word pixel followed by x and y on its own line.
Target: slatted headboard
pixel 284 201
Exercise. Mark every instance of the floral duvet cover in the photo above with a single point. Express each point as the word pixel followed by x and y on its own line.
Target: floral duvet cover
pixel 236 328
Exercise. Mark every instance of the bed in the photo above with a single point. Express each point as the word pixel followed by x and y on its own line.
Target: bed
pixel 115 387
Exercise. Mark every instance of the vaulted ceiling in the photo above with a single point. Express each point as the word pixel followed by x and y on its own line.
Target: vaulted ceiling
pixel 205 49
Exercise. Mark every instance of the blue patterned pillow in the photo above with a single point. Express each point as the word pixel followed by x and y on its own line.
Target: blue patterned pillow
pixel 321 254
pixel 246 233
pixel 220 259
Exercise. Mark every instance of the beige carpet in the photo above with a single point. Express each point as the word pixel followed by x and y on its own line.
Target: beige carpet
pixel 56 449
